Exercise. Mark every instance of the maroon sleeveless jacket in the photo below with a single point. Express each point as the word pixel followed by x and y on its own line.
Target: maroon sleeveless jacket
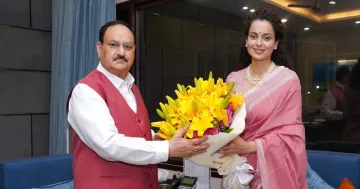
pixel 93 172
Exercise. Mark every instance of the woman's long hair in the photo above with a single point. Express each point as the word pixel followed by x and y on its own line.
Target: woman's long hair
pixel 279 56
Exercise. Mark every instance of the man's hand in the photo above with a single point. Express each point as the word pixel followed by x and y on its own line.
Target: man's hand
pixel 181 147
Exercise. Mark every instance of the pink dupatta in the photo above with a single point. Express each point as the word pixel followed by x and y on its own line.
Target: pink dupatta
pixel 274 122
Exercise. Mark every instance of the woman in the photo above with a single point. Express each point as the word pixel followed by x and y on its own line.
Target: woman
pixel 274 138
pixel 351 112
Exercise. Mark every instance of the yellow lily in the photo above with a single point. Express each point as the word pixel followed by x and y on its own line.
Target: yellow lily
pixel 200 125
pixel 163 136
pixel 221 87
pixel 186 107
pixel 199 106
pixel 236 100
pixel 166 128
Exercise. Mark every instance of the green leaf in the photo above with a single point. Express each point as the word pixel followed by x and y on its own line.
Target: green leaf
pixel 230 88
pixel 227 130
pixel 224 104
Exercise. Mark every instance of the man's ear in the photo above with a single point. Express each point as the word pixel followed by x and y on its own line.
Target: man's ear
pixel 98 48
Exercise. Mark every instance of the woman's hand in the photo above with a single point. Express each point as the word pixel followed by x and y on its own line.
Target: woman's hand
pixel 237 146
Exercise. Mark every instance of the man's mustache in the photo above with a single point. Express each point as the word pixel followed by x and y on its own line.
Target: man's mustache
pixel 119 57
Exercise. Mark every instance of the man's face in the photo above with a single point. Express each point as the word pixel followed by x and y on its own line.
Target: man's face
pixel 117 51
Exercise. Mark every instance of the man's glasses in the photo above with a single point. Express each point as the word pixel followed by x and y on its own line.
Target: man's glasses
pixel 115 46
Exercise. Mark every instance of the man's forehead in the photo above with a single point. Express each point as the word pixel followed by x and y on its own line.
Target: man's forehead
pixel 119 32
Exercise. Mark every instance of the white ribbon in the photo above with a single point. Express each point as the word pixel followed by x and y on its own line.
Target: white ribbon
pixel 239 178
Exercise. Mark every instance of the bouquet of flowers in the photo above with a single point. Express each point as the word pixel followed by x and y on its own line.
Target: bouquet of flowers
pixel 209 108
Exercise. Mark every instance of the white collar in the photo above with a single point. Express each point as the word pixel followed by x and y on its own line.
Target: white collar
pixel 115 80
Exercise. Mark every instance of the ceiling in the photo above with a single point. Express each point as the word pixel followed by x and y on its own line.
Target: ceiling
pixel 341 5
pixel 298 18
pixel 120 1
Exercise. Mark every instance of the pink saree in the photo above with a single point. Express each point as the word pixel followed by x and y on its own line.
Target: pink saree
pixel 274 122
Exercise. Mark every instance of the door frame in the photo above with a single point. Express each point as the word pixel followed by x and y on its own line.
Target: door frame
pixel 135 19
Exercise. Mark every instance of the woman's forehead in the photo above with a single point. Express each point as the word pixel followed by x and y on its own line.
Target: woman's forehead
pixel 261 27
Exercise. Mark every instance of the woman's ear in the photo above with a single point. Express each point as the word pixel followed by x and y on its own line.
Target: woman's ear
pixel 276 45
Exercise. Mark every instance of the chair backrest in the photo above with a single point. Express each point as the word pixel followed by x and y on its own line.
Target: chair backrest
pixel 35 172
pixel 333 167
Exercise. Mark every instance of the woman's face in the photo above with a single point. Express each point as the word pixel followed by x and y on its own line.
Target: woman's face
pixel 261 40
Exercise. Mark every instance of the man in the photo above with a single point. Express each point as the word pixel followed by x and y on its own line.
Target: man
pixel 112 139
pixel 332 107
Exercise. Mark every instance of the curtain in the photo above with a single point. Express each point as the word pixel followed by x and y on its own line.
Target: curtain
pixel 75 31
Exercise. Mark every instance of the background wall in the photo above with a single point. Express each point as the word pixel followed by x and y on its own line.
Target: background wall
pixel 25 68
pixel 184 40
pixel 323 47
pixel 180 41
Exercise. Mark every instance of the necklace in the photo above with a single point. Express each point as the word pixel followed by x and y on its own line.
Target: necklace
pixel 253 81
